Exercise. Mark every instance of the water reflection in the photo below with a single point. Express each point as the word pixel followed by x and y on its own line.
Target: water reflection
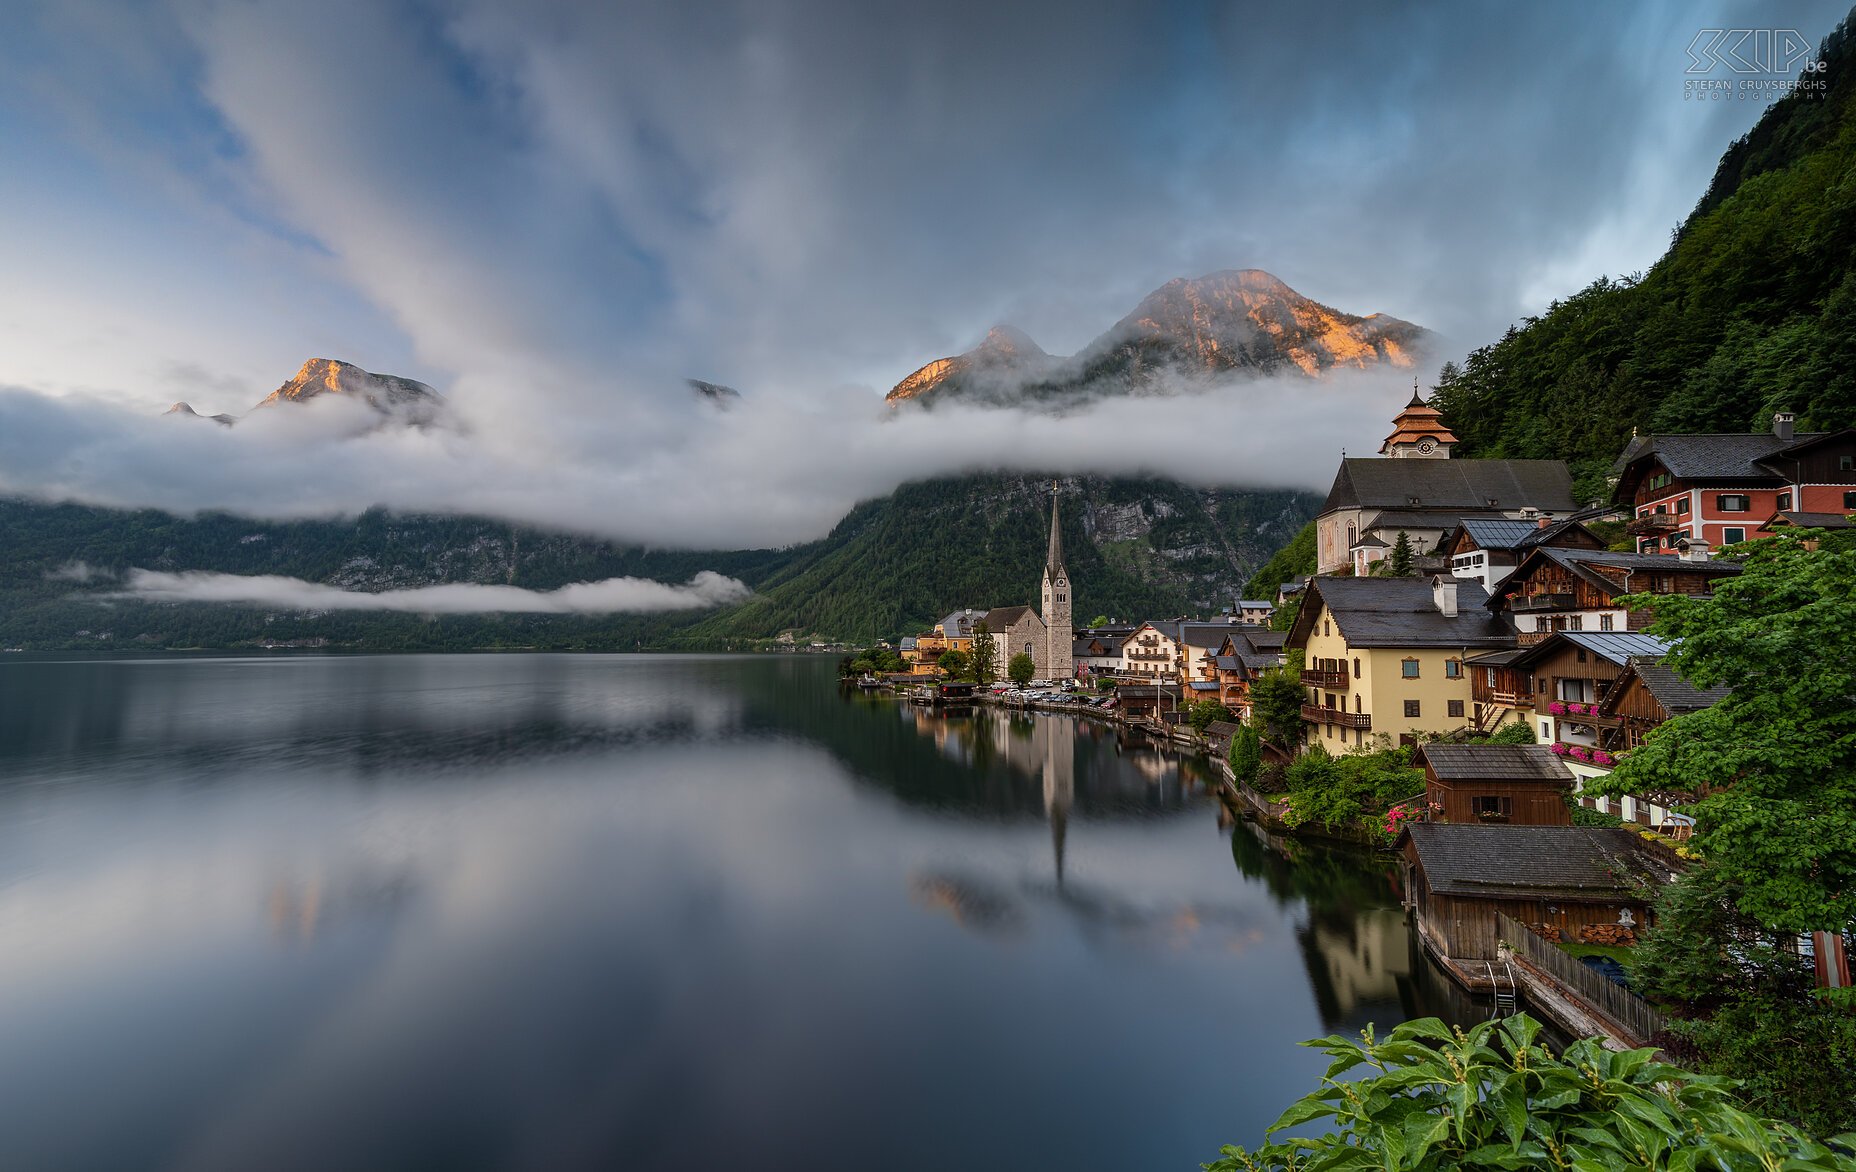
pixel 644 912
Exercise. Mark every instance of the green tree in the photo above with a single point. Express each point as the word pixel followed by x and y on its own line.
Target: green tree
pixel 1201 713
pixel 1276 700
pixel 985 665
pixel 1100 620
pixel 1283 617
pixel 1246 754
pixel 861 666
pixel 1438 1099
pixel 1020 669
pixel 1747 1004
pixel 1775 760
pixel 955 663
pixel 1400 561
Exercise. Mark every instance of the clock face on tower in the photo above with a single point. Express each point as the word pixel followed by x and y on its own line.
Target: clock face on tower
pixel 1427 447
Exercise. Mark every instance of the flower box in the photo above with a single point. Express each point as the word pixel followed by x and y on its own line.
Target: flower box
pixel 1581 753
pixel 1603 758
pixel 1557 708
pixel 1560 749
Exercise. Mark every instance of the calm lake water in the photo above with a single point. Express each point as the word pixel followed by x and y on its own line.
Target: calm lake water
pixel 639 912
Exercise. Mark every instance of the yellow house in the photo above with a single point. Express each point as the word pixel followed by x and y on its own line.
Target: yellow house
pixel 1385 655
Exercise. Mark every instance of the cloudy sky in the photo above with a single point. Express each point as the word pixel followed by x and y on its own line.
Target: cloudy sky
pixel 553 212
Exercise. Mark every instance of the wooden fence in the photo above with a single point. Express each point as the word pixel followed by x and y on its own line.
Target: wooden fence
pixel 1587 984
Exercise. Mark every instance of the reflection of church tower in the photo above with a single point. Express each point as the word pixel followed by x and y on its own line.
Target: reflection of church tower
pixel 1058 748
pixel 1059 662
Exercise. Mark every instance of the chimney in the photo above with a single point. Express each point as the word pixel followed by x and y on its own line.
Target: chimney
pixel 1545 521
pixel 1694 549
pixel 1782 425
pixel 1443 593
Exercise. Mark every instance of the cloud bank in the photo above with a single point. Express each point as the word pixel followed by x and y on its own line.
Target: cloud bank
pixel 610 596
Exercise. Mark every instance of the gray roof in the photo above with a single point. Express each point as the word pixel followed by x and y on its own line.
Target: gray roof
pixel 1001 617
pixel 1255 604
pixel 1195 634
pixel 1203 685
pixel 1228 662
pixel 1497 658
pixel 1502 534
pixel 1083 647
pixel 907 644
pixel 1495 763
pixel 1262 639
pixel 1710 457
pixel 1814 520
pixel 959 625
pixel 1618 647
pixel 1451 484
pixel 1531 862
pixel 1402 612
pixel 1392 520
pixel 1674 693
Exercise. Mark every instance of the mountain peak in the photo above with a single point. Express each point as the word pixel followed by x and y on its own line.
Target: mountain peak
pixel 403 399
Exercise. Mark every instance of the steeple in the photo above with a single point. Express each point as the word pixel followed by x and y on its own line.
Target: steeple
pixel 1053 561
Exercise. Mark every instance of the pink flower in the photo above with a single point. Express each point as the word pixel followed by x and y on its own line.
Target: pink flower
pixel 1581 752
pixel 1560 749
pixel 1604 758
pixel 1557 708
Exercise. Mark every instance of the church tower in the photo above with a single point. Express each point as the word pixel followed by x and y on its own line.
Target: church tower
pixel 1059 659
pixel 1419 432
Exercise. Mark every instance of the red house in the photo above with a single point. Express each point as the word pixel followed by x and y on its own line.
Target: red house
pixel 1721 489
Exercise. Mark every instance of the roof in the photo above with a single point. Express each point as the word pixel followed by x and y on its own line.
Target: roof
pixel 1001 617
pixel 1494 763
pixel 907 643
pixel 1203 685
pixel 1255 604
pixel 1503 534
pixel 1531 862
pixel 1674 693
pixel 1497 658
pixel 1374 482
pixel 1228 662
pixel 959 625
pixel 1260 638
pixel 1618 647
pixel 1810 520
pixel 1581 561
pixel 1369 542
pixel 1704 457
pixel 1402 612
pixel 1053 560
pixel 1392 520
pixel 1086 647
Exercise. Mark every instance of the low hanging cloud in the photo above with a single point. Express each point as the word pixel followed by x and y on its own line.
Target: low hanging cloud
pixel 610 596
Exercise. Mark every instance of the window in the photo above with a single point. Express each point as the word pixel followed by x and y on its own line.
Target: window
pixel 1456 707
pixel 1846 463
pixel 1849 500
pixel 1059 598
pixel 1731 502
pixel 1604 622
pixel 1784 502
pixel 1324 628
pixel 1682 507
pixel 1661 509
pixel 1411 709
pixel 1581 655
pixel 1409 668
pixel 1576 623
pixel 1648 545
pixel 1491 807
pixel 1732 536
pixel 1453 669
pixel 1356 667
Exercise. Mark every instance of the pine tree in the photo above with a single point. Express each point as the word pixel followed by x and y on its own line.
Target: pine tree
pixel 1401 555
pixel 983 662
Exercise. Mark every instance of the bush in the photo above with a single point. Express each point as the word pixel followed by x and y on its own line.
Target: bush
pixel 1201 713
pixel 1020 669
pixel 1518 733
pixel 1246 755
pixel 1494 1097
pixel 1354 789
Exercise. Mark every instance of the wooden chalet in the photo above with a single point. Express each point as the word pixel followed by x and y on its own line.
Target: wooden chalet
pixel 1240 659
pixel 1563 882
pixel 1517 785
pixel 1579 590
pixel 1646 693
pixel 1488 549
pixel 1571 673
pixel 1499 692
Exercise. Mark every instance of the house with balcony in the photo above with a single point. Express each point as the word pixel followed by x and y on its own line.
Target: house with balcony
pixel 1098 651
pixel 1645 694
pixel 1499 692
pixel 1240 659
pixel 1571 673
pixel 1387 655
pixel 1723 489
pixel 1488 549
pixel 1152 653
pixel 1579 589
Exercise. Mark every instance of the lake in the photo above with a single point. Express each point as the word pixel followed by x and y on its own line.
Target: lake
pixel 641 912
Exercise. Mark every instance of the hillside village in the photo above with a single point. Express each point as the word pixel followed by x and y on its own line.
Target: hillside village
pixel 1481 633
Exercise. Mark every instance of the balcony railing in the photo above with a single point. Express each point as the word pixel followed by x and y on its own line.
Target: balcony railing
pixel 1532 602
pixel 1320 678
pixel 1316 714
pixel 1654 523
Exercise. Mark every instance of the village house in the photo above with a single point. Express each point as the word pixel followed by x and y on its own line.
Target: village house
pixel 1563 882
pixel 1645 693
pixel 1152 653
pixel 1240 659
pixel 1254 612
pixel 1098 651
pixel 1386 655
pixel 1488 550
pixel 1518 785
pixel 1578 590
pixel 1416 488
pixel 1723 489
pixel 1015 630
pixel 1569 673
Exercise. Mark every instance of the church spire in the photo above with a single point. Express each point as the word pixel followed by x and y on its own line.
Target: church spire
pixel 1053 562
